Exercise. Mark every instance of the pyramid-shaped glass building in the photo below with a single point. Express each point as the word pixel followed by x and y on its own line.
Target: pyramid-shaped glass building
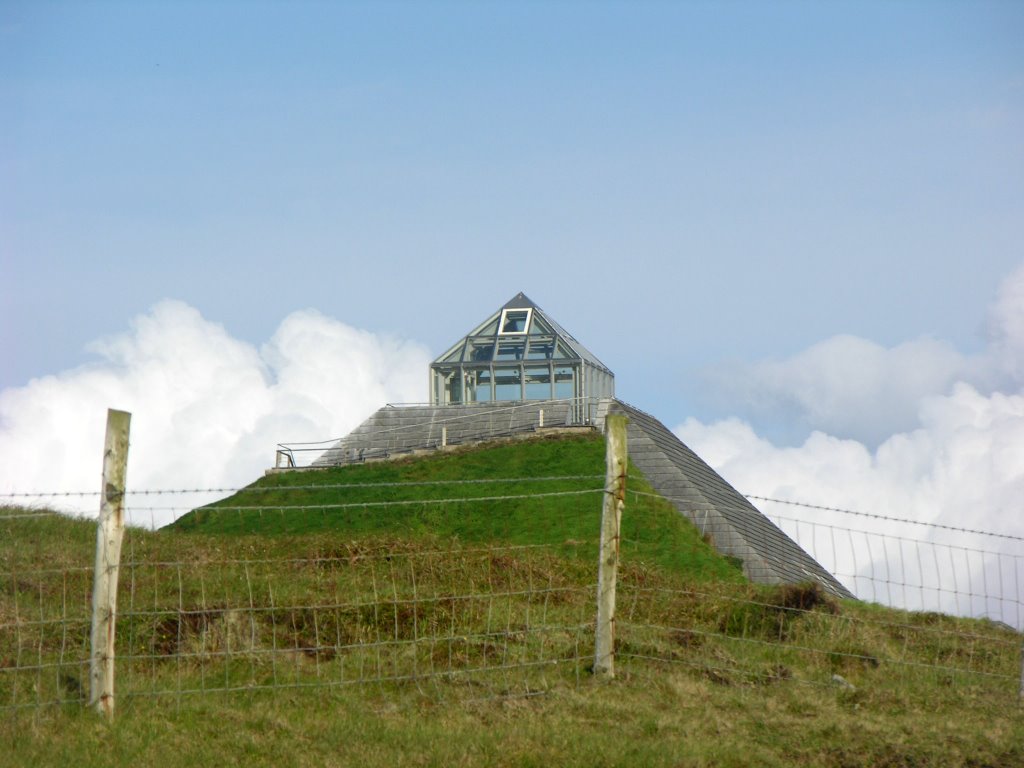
pixel 518 373
pixel 519 353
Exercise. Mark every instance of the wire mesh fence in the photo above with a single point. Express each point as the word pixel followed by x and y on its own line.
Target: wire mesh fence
pixel 503 619
pixel 917 573
pixel 241 610
pixel 796 633
pixel 931 614
pixel 46 573
pixel 486 587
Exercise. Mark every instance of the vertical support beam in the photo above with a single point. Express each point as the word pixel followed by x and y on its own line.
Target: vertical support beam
pixel 444 436
pixel 608 562
pixel 109 533
pixel 540 422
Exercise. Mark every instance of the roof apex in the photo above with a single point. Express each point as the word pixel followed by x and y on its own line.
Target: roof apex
pixel 520 301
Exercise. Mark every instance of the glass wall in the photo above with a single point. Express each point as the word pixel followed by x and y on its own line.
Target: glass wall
pixel 538 383
pixel 507 384
pixel 564 386
pixel 517 381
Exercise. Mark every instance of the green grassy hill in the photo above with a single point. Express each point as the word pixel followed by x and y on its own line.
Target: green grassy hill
pixel 508 492
pixel 473 619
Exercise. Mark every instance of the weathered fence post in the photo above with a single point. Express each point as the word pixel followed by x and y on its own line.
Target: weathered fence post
pixel 608 562
pixel 108 557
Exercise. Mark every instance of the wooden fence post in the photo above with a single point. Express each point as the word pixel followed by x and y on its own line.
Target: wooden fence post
pixel 608 562
pixel 109 533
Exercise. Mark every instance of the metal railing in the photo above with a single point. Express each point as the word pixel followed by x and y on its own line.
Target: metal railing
pixel 471 422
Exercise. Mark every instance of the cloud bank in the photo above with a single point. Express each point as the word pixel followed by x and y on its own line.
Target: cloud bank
pixel 855 388
pixel 917 431
pixel 207 409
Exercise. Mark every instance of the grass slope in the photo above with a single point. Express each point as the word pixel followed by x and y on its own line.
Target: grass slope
pixel 402 498
pixel 713 671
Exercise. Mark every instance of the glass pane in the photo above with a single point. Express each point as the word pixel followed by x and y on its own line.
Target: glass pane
pixel 479 350
pixel 455 355
pixel 539 327
pixel 563 383
pixel 510 350
pixel 478 386
pixel 490 329
pixel 515 320
pixel 562 352
pixel 538 384
pixel 541 349
pixel 506 384
pixel 453 387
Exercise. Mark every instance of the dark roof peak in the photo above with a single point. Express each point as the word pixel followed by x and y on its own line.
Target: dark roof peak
pixel 520 301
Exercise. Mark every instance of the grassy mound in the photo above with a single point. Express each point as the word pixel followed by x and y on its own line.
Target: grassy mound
pixel 312 620
pixel 495 493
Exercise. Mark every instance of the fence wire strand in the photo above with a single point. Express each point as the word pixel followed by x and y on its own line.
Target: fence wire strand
pixel 488 619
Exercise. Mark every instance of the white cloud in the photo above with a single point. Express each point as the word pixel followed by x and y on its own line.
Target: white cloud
pixel 844 385
pixel 960 463
pixel 1005 356
pixel 207 409
pixel 963 467
pixel 854 388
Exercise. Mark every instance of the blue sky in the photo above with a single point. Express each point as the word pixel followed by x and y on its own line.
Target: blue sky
pixel 748 178
pixel 793 229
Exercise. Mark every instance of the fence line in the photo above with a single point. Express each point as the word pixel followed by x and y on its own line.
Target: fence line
pixel 313 487
pixel 907 573
pixel 206 615
pixel 916 574
pixel 887 518
pixel 439 617
pixel 751 641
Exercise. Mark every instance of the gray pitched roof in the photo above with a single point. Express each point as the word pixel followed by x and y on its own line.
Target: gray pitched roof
pixel 489 328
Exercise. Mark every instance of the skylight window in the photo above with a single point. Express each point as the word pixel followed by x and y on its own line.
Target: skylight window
pixel 515 321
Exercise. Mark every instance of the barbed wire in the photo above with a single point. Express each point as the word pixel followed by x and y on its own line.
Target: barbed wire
pixel 494 481
pixel 888 518
pixel 888 535
pixel 691 507
pixel 311 487
pixel 135 509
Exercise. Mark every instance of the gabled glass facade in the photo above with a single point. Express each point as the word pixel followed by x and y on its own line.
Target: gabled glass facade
pixel 516 354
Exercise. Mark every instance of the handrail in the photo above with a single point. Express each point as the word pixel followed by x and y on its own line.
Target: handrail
pixel 286 450
pixel 491 404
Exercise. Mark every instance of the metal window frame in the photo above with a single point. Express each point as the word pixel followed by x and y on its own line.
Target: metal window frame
pixel 504 317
